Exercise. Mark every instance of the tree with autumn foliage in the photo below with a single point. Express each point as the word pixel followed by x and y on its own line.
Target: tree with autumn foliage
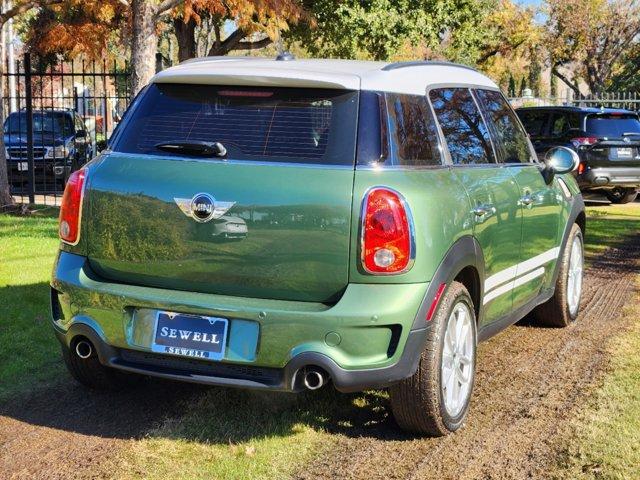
pixel 591 36
pixel 73 27
pixel 76 28
pixel 256 24
pixel 18 8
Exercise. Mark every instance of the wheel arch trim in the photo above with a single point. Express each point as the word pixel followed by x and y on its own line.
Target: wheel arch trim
pixel 464 253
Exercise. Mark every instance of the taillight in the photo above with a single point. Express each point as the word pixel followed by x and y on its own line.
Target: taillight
pixel 581 168
pixel 71 208
pixel 584 141
pixel 387 232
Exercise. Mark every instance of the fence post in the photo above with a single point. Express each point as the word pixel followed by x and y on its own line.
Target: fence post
pixel 29 115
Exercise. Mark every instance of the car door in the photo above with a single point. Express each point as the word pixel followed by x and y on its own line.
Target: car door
pixel 540 204
pixel 492 190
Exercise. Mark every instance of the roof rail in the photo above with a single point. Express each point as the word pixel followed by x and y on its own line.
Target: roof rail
pixel 220 58
pixel 424 63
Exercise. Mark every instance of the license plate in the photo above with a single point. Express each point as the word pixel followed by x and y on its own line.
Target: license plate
pixel 624 152
pixel 23 166
pixel 235 227
pixel 188 335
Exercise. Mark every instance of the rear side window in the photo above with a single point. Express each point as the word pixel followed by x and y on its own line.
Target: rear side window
pixel 262 124
pixel 561 123
pixel 462 125
pixel 613 125
pixel 512 140
pixel 534 122
pixel 413 130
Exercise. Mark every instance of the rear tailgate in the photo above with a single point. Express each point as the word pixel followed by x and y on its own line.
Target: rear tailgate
pixel 281 200
pixel 618 137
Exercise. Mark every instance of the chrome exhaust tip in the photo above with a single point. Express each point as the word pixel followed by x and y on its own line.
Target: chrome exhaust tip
pixel 84 349
pixel 313 379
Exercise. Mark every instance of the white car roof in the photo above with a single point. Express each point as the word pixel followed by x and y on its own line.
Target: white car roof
pixel 401 77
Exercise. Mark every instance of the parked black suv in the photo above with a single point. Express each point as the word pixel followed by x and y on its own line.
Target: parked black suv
pixel 607 141
pixel 61 144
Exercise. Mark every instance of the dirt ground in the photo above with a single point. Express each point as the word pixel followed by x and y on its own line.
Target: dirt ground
pixel 529 381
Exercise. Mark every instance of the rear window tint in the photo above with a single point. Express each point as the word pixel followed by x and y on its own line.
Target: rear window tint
pixel 511 138
pixel 534 122
pixel 612 126
pixel 413 130
pixel 563 122
pixel 261 124
pixel 462 125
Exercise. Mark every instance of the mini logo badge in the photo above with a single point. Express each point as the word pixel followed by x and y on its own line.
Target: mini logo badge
pixel 627 139
pixel 203 207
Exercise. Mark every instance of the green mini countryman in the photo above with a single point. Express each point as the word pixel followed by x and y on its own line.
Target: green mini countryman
pixel 284 224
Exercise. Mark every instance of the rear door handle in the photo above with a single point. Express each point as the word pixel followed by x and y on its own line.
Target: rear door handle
pixel 482 212
pixel 527 200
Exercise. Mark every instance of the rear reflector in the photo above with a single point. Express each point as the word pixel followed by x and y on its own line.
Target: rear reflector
pixel 71 208
pixel 387 241
pixel 436 300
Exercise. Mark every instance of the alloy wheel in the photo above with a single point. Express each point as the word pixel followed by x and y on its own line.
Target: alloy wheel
pixel 457 367
pixel 574 280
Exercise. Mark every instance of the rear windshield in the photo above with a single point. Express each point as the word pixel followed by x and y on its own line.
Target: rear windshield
pixel 613 126
pixel 55 123
pixel 262 124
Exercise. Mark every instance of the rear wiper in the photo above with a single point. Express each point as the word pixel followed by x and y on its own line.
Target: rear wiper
pixel 193 147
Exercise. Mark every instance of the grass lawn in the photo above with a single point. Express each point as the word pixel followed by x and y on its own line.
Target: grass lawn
pixel 608 225
pixel 29 354
pixel 604 440
pixel 216 438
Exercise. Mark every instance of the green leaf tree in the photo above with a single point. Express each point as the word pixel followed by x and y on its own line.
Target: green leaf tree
pixel 591 38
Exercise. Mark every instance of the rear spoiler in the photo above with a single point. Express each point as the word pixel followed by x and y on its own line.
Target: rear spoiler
pixel 234 73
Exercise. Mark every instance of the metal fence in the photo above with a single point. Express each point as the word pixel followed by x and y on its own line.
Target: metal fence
pixel 56 118
pixel 623 100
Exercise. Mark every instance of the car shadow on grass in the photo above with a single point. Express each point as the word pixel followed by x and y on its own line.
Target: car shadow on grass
pixel 203 414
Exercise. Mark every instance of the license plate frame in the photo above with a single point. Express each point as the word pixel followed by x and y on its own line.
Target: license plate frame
pixel 172 341
pixel 624 152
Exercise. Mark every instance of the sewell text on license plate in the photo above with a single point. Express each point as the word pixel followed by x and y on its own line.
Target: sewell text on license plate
pixel 189 335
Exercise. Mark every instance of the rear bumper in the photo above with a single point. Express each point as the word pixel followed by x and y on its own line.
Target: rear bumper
pixel 609 177
pixel 45 171
pixel 270 341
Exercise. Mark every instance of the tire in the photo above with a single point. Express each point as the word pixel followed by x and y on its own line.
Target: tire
pixel 560 310
pixel 418 403
pixel 622 195
pixel 92 374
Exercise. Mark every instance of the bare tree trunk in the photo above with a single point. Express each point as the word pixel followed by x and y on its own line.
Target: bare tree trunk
pixel 234 42
pixel 144 43
pixel 572 85
pixel 186 35
pixel 5 192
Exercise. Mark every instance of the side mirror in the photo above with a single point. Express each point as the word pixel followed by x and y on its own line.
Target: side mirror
pixel 559 160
